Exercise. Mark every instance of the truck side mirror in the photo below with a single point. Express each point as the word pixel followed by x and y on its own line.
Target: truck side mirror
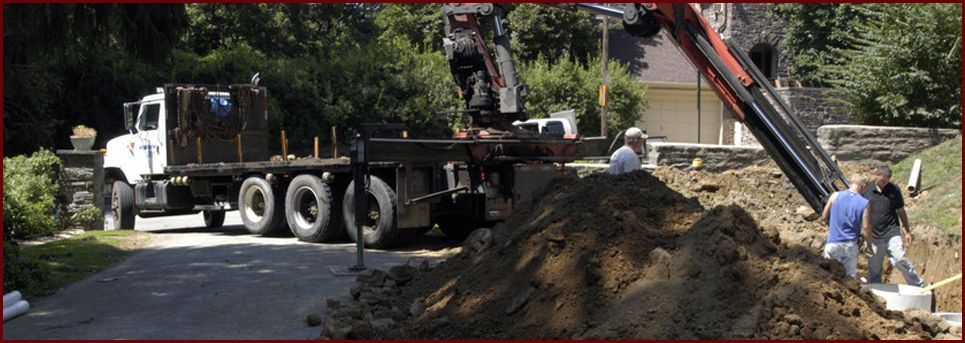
pixel 130 116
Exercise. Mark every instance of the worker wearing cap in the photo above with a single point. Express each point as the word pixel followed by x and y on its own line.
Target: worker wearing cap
pixel 849 217
pixel 888 208
pixel 627 158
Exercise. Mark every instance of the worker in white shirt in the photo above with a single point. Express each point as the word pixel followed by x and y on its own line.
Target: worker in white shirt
pixel 627 158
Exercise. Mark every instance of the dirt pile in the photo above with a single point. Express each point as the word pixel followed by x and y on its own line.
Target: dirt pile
pixel 621 257
pixel 776 205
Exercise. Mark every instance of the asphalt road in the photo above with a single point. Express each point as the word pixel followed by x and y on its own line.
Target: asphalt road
pixel 194 283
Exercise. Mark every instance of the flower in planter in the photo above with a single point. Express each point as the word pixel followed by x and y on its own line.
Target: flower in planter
pixel 84 131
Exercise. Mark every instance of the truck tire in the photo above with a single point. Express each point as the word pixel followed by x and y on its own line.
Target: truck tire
pixel 122 206
pixel 261 208
pixel 380 231
pixel 309 210
pixel 213 219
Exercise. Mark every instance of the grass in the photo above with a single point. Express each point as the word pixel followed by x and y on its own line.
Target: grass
pixel 71 260
pixel 940 201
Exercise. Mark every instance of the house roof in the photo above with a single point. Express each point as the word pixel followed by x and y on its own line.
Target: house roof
pixel 653 59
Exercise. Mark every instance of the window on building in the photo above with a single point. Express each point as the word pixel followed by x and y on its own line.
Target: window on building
pixel 765 58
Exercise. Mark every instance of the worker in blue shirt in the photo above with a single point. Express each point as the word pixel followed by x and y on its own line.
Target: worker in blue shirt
pixel 848 215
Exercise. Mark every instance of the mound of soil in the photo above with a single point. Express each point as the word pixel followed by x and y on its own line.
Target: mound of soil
pixel 624 257
pixel 775 204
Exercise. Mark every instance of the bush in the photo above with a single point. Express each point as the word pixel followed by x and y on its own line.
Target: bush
pixel 30 190
pixel 86 217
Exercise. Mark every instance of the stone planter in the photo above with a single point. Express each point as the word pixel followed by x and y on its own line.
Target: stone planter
pixel 82 143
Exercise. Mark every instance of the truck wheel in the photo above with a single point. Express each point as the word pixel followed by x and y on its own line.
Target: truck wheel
pixel 261 209
pixel 379 230
pixel 122 206
pixel 308 208
pixel 213 219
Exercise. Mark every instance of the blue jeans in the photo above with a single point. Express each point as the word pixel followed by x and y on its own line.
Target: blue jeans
pixel 894 247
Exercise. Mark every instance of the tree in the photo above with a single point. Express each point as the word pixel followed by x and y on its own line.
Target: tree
pixel 568 84
pixel 419 24
pixel 905 66
pixel 538 30
pixel 812 31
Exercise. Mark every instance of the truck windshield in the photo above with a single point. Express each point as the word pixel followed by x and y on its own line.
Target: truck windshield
pixel 555 128
pixel 149 117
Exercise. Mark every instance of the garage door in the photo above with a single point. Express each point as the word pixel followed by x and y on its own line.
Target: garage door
pixel 673 113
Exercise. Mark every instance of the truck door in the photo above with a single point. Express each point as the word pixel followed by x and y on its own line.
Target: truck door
pixel 149 150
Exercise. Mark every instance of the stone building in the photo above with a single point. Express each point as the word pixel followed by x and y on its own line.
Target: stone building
pixel 672 80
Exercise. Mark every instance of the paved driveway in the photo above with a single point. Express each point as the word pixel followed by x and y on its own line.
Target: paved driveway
pixel 200 284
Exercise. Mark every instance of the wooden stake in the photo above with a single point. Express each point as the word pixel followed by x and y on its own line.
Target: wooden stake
pixel 334 143
pixel 171 153
pixel 316 147
pixel 240 154
pixel 200 159
pixel 284 146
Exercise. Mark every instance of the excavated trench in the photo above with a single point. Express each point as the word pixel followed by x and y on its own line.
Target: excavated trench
pixel 672 255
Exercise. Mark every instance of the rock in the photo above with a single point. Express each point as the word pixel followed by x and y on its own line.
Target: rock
pixel 333 304
pixel 313 320
pixel 372 277
pixel 793 319
pixel 478 240
pixel 520 300
pixel 419 263
pixel 417 308
pixel 336 328
pixel 807 213
pixel 382 324
pixel 708 186
pixel 356 289
pixel 943 326
pixel 402 274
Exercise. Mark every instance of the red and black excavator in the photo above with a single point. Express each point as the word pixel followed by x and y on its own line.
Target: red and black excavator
pixel 494 96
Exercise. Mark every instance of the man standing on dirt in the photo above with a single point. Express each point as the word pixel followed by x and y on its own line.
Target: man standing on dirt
pixel 627 158
pixel 887 208
pixel 850 217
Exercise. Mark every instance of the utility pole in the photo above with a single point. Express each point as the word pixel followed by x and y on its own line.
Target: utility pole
pixel 606 76
pixel 698 107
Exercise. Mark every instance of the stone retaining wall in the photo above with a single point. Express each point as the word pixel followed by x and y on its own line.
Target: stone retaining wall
pixel 879 144
pixel 83 180
pixel 717 158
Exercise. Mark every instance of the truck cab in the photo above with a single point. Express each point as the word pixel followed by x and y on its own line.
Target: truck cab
pixel 141 152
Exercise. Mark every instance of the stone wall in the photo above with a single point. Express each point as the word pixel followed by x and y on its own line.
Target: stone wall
pixel 879 144
pixel 83 180
pixel 717 158
pixel 815 106
pixel 749 24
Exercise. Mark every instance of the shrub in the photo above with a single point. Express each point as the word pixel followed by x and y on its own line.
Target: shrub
pixel 86 217
pixel 30 191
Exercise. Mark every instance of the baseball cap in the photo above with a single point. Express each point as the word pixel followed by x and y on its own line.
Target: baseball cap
pixel 635 133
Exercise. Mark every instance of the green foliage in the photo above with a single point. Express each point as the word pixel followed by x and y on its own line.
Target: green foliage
pixel 905 68
pixel 20 273
pixel 537 30
pixel 895 64
pixel 86 217
pixel 568 84
pixel 30 191
pixel 419 24
pixel 939 203
pixel 812 31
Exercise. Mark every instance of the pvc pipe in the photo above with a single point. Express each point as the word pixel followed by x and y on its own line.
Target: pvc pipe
pixel 16 309
pixel 915 176
pixel 11 298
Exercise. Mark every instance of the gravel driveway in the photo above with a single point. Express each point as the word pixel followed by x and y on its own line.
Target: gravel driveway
pixel 207 284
